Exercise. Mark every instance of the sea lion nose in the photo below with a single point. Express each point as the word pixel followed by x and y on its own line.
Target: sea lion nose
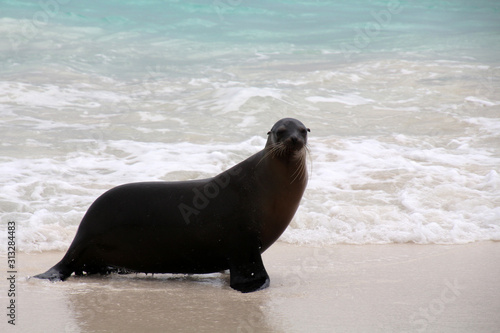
pixel 295 142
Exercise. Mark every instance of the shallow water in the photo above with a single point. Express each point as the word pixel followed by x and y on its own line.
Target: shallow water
pixel 402 98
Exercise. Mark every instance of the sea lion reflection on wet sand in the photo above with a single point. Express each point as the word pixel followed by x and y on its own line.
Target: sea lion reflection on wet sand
pixel 196 226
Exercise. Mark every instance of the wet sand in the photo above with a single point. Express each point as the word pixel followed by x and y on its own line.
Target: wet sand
pixel 343 288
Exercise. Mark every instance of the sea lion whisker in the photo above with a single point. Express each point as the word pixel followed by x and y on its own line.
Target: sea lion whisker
pixel 309 157
pixel 273 151
pixel 300 172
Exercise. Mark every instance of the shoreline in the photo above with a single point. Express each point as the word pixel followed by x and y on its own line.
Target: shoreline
pixel 341 288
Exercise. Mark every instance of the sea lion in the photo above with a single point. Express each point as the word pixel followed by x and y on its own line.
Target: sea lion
pixel 196 226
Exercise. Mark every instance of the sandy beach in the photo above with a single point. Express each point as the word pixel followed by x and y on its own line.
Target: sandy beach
pixel 343 288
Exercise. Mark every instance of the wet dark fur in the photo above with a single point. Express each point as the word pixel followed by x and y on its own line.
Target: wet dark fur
pixel 167 227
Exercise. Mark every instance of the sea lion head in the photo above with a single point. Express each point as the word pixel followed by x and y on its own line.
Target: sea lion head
pixel 287 137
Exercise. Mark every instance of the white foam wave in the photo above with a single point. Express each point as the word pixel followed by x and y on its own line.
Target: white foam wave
pixel 347 99
pixel 481 101
pixel 363 190
pixel 378 192
pixel 52 96
pixel 231 99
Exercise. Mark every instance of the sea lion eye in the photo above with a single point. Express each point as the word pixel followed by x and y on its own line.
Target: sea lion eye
pixel 280 132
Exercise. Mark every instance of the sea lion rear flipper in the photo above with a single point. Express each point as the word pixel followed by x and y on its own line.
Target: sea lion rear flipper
pixel 56 273
pixel 249 276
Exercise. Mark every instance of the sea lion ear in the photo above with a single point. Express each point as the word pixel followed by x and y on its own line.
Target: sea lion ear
pixel 268 132
pixel 308 129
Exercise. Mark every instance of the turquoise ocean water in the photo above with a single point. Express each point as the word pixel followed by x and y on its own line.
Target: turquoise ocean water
pixel 402 98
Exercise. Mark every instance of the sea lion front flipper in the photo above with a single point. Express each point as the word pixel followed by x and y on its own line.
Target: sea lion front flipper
pixel 249 275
